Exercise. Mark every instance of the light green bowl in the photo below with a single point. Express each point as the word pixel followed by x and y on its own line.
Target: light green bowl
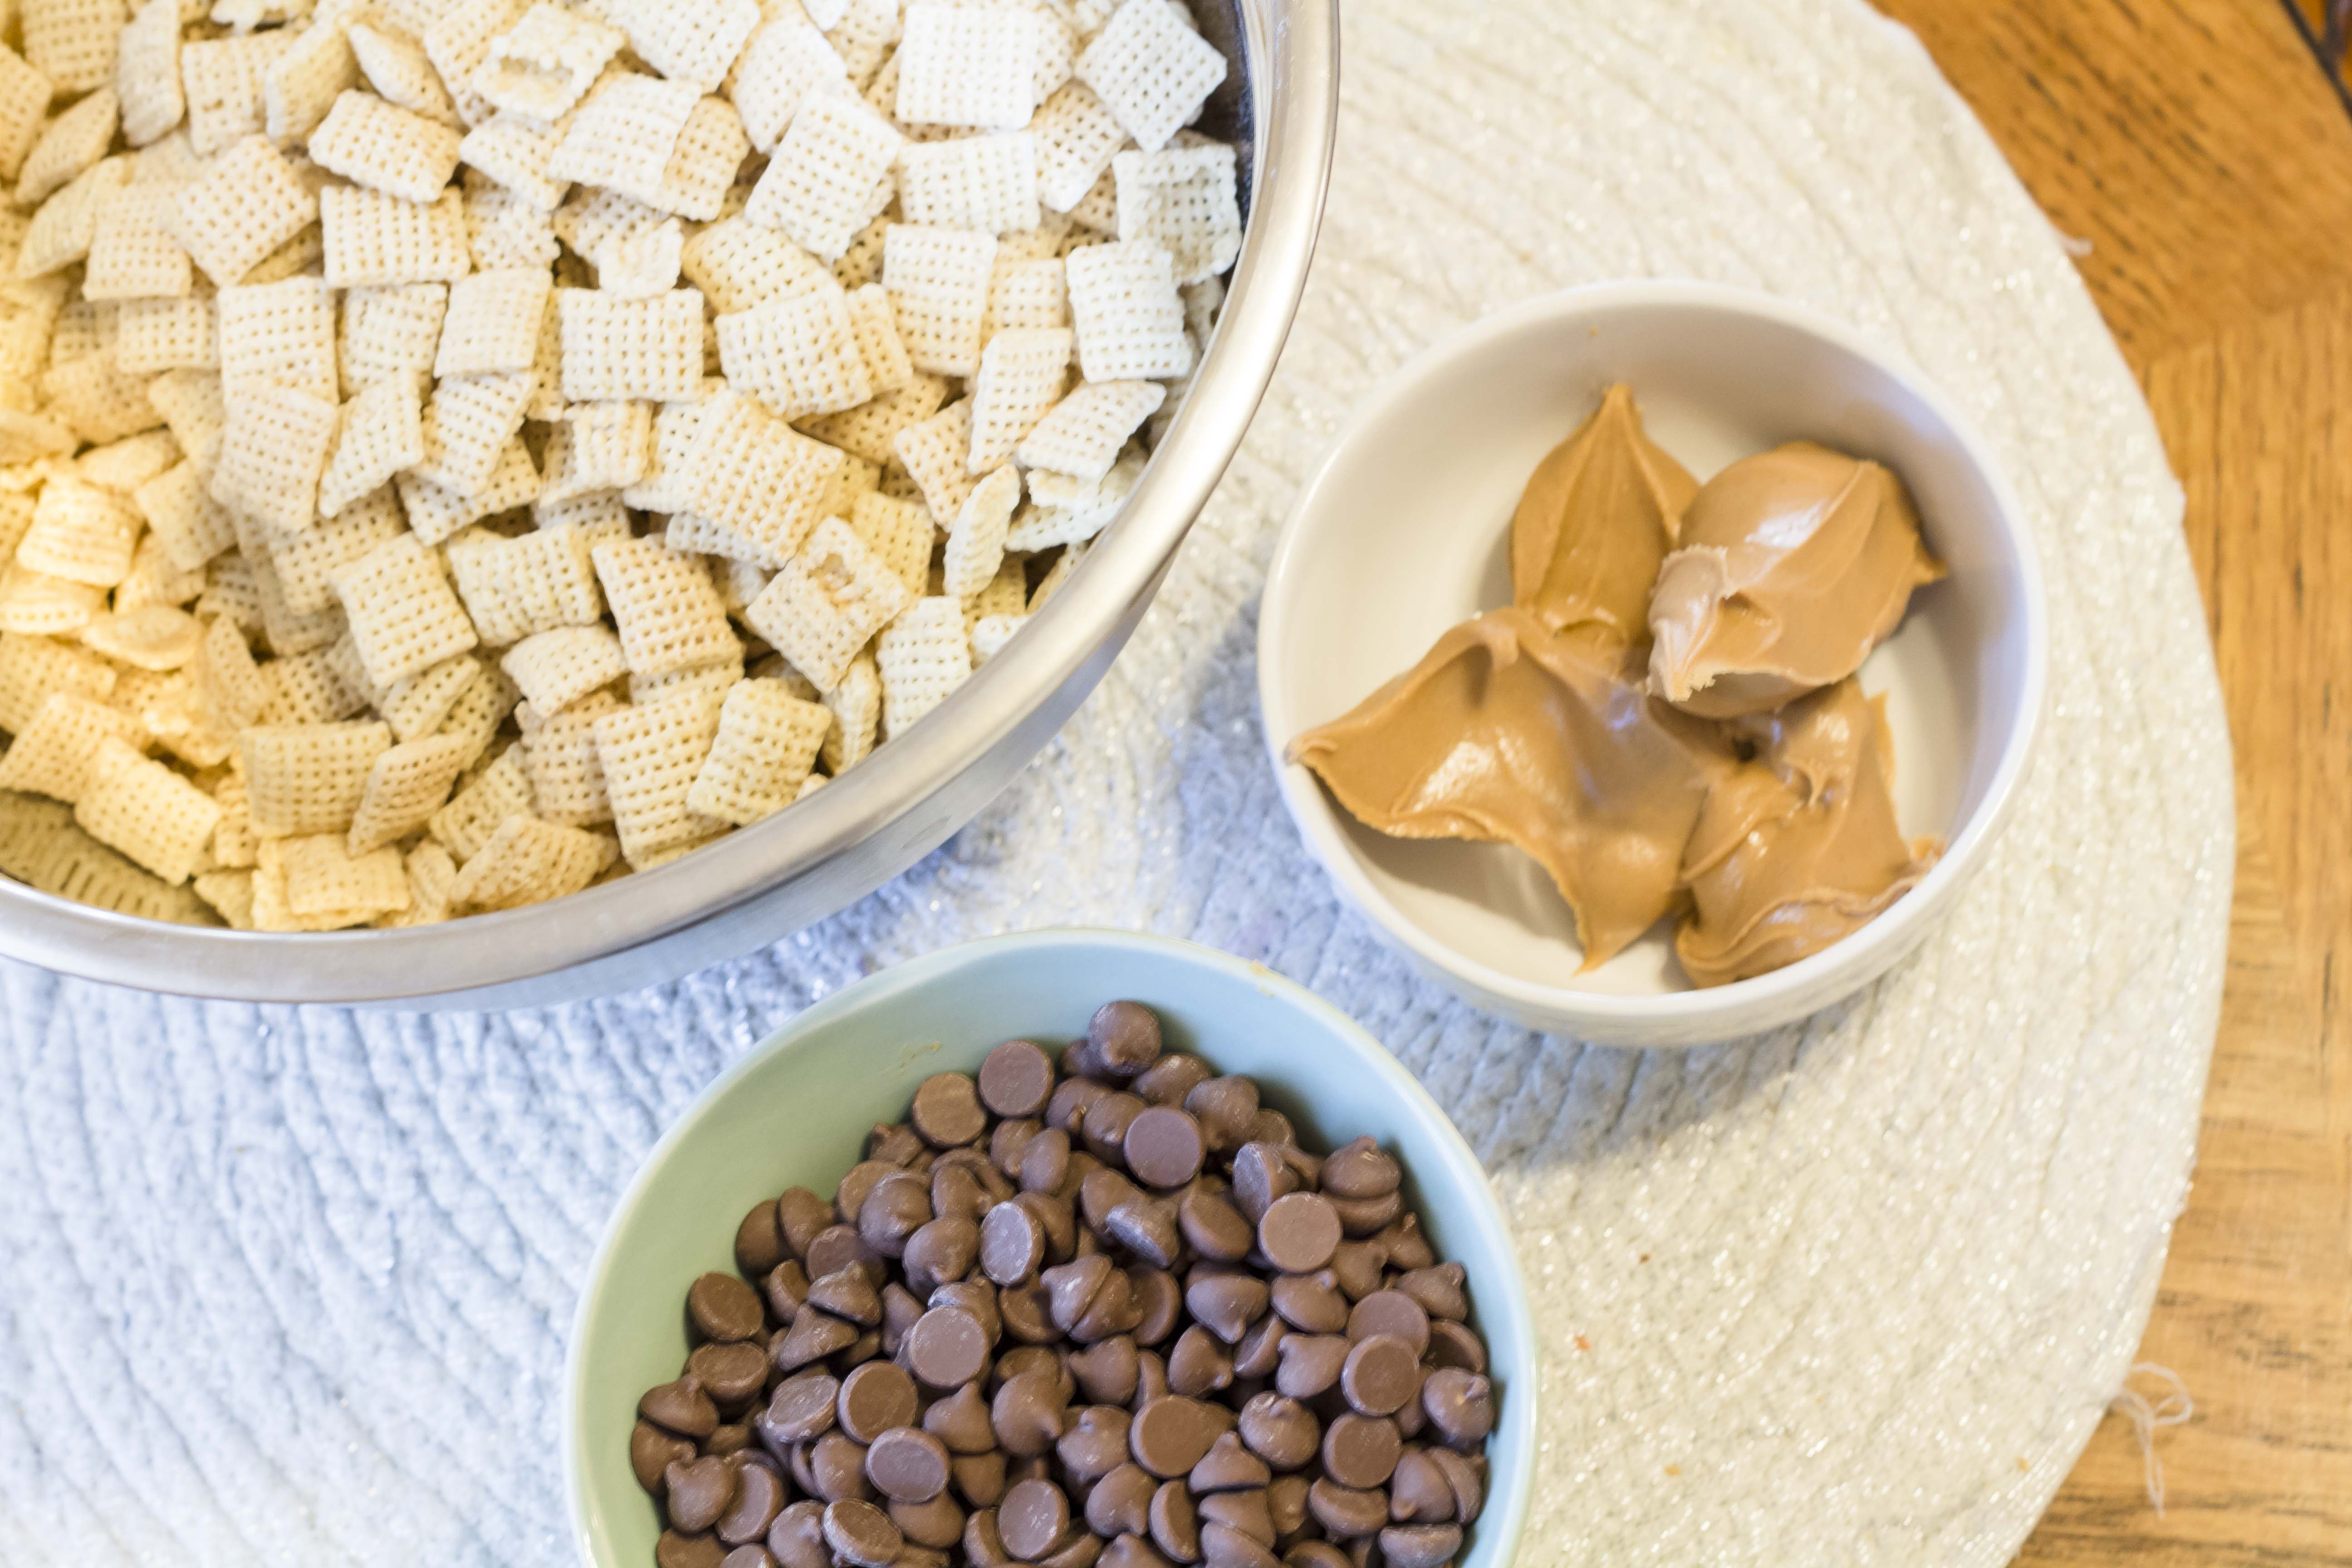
pixel 797 1110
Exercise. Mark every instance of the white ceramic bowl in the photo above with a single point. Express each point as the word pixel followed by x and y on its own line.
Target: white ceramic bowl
pixel 796 1111
pixel 1404 531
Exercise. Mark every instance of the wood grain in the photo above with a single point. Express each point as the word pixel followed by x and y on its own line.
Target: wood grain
pixel 2199 148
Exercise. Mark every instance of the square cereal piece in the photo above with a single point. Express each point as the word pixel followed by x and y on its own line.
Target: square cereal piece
pixel 822 178
pixel 869 430
pixel 1096 213
pixel 1183 198
pixel 1084 509
pixel 395 64
pixel 272 454
pixel 270 912
pixel 32 668
pixel 651 757
pixel 280 334
pixel 81 533
pixel 623 137
pixel 737 264
pixel 826 603
pixel 374 238
pixel 975 547
pixel 559 757
pixel 34 603
pixel 139 806
pixel 436 511
pixel 1006 594
pixel 923 657
pixel 969 66
pixel 147 73
pixel 863 36
pixel 132 255
pixel 786 61
pixel 712 680
pixel 1027 292
pixel 457 39
pixel 1022 372
pixel 709 153
pixel 308 778
pixel 324 877
pixel 739 584
pixel 766 744
pixel 481 709
pixel 25 96
pixel 422 704
pixel 249 201
pixel 690 44
pixel 900 532
pixel 597 446
pixel 937 282
pixel 528 861
pixel 473 815
pixel 546 63
pixel 405 785
pixel 857 708
pixel 862 263
pixel 752 472
pixel 668 614
pixel 233 840
pixel 155 335
pixel 799 354
pixel 493 322
pixel 876 323
pixel 691 533
pixel 223 81
pixel 195 411
pixel 519 154
pixel 1150 70
pixel 193 527
pixel 391 331
pixel 935 453
pixel 75 139
pixel 991 633
pixel 1077 138
pixel 987 183
pixel 676 427
pixel 617 349
pixel 505 230
pixel 58 753
pixel 306 563
pixel 1084 434
pixel 385 148
pixel 404 615
pixel 515 587
pixel 556 669
pixel 153 580
pixel 62 232
pixel 120 465
pixel 472 420
pixel 230 893
pixel 381 432
pixel 96 401
pixel 299 89
pixel 1130 322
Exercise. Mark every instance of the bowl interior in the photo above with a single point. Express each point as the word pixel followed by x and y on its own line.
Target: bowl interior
pixel 1405 532
pixel 797 1111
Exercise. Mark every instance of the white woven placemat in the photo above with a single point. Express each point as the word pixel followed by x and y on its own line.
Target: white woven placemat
pixel 292 1287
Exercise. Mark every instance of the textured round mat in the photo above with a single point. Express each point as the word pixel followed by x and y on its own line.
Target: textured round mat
pixel 293 1287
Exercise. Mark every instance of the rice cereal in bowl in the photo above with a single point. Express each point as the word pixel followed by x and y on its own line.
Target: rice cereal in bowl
pixel 454 460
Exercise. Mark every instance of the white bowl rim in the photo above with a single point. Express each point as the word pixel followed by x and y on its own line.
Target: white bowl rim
pixel 1765 995
pixel 1511 1321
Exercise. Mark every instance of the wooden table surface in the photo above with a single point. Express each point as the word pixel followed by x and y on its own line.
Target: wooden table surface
pixel 2205 155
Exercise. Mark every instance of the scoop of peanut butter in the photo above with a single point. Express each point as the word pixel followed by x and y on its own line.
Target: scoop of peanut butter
pixel 1798 846
pixel 1506 731
pixel 1599 514
pixel 1791 566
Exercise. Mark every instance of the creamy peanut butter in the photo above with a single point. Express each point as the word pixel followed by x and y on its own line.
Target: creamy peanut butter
pixel 1798 846
pixel 1597 518
pixel 1507 732
pixel 1791 566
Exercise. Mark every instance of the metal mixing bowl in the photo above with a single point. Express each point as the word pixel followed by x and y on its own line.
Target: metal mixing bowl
pixel 1279 106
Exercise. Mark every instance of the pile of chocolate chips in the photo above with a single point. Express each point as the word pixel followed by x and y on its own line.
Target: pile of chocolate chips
pixel 1114 1319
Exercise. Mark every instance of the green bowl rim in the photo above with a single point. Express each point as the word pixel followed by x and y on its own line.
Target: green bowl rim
pixel 1512 1323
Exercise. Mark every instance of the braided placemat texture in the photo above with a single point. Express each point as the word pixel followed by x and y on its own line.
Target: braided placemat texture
pixel 292 1286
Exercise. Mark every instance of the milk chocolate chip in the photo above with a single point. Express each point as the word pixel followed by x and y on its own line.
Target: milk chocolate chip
pixel 874 1398
pixel 699 1491
pixel 759 1240
pixel 908 1465
pixel 947 1110
pixel 796 1540
pixel 1122 1040
pixel 1033 1519
pixel 723 1307
pixel 861 1533
pixel 681 1407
